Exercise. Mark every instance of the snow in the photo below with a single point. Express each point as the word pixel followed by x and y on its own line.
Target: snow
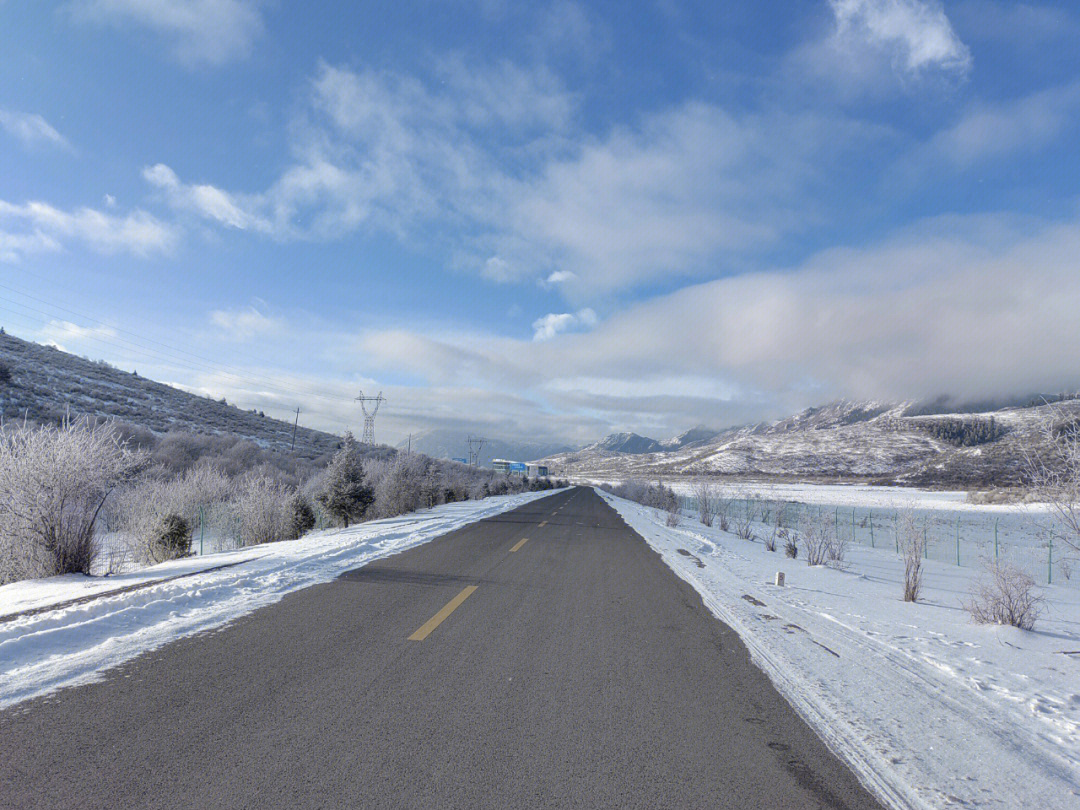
pixel 74 644
pixel 929 709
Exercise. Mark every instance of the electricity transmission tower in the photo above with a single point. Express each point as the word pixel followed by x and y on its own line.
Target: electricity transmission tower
pixel 475 443
pixel 369 418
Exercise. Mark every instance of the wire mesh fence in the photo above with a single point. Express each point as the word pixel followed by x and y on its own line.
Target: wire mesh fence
pixel 955 537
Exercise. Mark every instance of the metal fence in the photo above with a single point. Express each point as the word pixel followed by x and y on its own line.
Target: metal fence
pixel 952 537
pixel 118 552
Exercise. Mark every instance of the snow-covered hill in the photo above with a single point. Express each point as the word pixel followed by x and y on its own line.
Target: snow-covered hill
pixel 843 440
pixel 43 384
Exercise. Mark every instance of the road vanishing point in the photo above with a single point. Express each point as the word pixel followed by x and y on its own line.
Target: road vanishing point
pixel 543 658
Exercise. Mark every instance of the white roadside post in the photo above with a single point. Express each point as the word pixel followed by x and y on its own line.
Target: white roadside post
pixel 780 578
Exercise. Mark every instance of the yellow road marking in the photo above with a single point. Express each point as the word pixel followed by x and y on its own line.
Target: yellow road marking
pixel 441 616
pixel 519 544
pixel 543 523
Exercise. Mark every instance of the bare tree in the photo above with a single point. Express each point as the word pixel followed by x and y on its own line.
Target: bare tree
pixel 1052 468
pixel 816 530
pixel 1005 595
pixel 912 541
pixel 705 495
pixel 743 517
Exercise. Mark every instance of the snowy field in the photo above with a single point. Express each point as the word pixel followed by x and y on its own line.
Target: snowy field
pixel 70 645
pixel 930 709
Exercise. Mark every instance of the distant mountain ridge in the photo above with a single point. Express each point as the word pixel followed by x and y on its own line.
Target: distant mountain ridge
pixel 449 443
pixel 863 441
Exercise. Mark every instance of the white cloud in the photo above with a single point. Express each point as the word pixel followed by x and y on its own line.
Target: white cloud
pixel 991 130
pixel 560 277
pixel 207 32
pixel 661 199
pixel 204 200
pixel 915 34
pixel 244 324
pixel 554 323
pixel 31 129
pixel 971 307
pixel 73 335
pixel 876 47
pixel 36 227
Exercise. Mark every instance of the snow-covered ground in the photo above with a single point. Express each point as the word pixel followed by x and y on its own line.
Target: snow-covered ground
pixel 931 710
pixel 69 645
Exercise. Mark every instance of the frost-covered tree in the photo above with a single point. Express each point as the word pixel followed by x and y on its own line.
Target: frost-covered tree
pixel 54 482
pixel 1052 462
pixel 346 493
pixel 262 509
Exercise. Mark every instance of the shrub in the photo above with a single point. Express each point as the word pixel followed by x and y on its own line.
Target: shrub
pixel 399 486
pixel 172 539
pixel 743 519
pixel 673 515
pixel 791 546
pixel 1005 595
pixel 262 509
pixel 705 495
pixel 912 541
pixel 54 482
pixel 141 509
pixel 817 531
pixel 301 516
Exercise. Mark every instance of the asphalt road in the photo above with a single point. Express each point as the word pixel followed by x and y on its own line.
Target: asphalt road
pixel 542 658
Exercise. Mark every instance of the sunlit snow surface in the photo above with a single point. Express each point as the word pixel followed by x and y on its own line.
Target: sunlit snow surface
pixel 931 710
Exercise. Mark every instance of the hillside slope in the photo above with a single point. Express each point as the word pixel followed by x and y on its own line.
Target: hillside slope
pixel 43 384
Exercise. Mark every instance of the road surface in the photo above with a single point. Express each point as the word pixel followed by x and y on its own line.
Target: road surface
pixel 542 658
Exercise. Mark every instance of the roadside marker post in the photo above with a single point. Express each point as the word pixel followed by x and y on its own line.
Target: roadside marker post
pixel 958 540
pixel 1050 564
pixel 871 528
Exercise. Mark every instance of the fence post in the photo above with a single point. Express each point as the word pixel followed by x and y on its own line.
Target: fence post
pixel 202 530
pixel 995 539
pixel 925 545
pixel 871 528
pixel 958 540
pixel 836 524
pixel 853 524
pixel 1050 564
pixel 896 530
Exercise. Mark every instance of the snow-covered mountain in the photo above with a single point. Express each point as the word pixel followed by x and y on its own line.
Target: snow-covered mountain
pixel 888 442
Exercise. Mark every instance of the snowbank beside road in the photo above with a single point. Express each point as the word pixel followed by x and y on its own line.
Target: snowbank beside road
pixel 74 643
pixel 929 709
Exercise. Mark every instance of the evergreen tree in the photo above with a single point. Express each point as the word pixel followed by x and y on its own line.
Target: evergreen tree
pixel 346 495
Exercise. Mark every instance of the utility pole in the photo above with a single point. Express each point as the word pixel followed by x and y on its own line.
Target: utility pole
pixel 410 445
pixel 297 422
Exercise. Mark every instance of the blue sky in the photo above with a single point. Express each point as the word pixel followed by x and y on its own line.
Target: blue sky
pixel 546 220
